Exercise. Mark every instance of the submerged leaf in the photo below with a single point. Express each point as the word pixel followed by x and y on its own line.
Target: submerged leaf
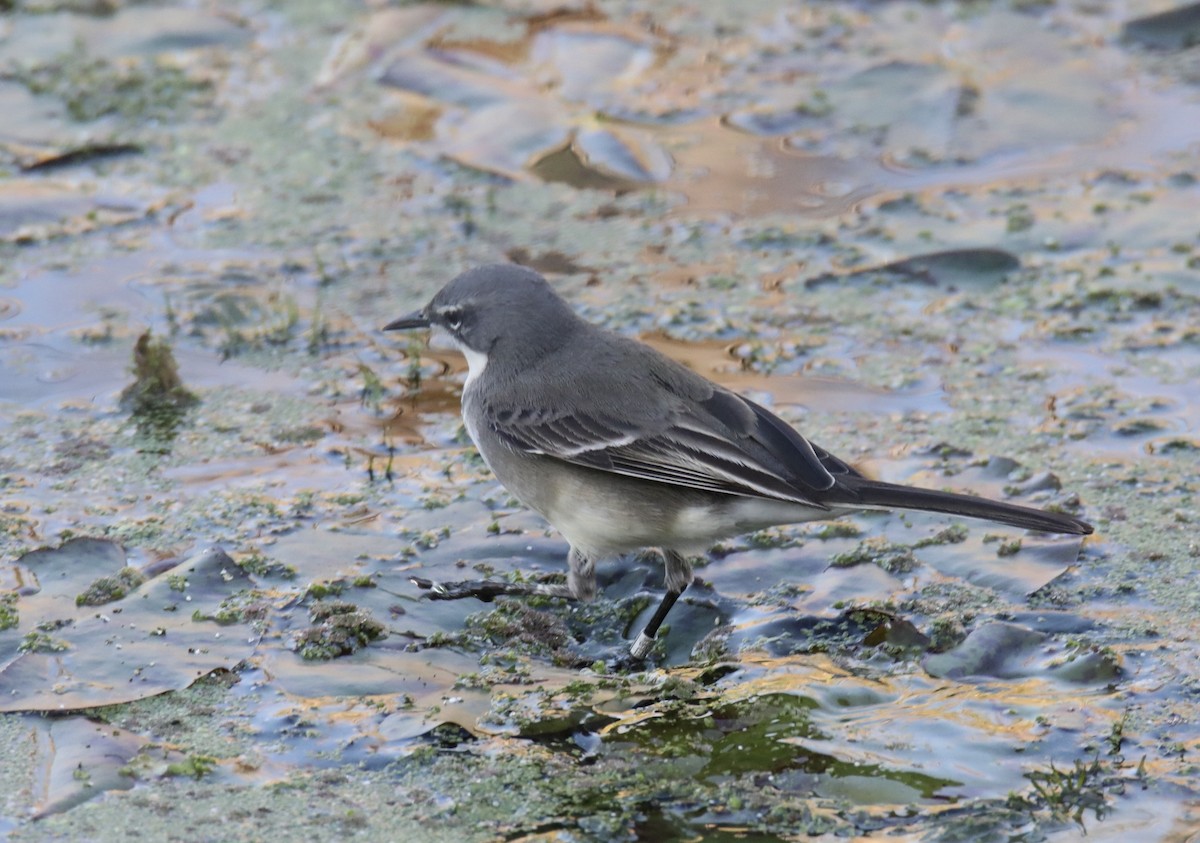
pixel 142 643
pixel 624 153
pixel 506 138
pixel 1011 651
pixel 80 759
pixel 420 73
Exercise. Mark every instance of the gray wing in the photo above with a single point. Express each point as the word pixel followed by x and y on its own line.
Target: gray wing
pixel 683 431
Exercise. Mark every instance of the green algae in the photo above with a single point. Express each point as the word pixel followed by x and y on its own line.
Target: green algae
pixel 111 589
pixel 879 551
pixel 9 615
pixel 42 642
pixel 157 398
pixel 339 629
pixel 143 90
pixel 194 766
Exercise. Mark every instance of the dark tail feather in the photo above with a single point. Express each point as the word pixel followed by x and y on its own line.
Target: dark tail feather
pixel 872 493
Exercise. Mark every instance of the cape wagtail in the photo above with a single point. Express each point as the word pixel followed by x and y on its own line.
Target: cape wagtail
pixel 622 448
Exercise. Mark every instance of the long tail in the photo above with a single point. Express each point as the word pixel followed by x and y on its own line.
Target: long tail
pixel 872 493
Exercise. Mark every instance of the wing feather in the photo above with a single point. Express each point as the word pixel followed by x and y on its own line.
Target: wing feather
pixel 724 443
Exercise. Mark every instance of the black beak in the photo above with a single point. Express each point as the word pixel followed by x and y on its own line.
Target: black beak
pixel 416 319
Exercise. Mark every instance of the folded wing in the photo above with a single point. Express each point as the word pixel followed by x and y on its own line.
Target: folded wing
pixel 721 443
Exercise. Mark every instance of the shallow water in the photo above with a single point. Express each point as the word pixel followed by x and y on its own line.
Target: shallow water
pixel 954 244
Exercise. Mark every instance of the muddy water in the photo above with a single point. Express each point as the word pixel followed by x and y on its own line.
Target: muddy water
pixel 954 244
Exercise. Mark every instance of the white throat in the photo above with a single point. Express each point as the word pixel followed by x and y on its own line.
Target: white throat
pixel 476 362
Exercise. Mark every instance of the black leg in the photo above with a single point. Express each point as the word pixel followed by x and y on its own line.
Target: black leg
pixel 645 640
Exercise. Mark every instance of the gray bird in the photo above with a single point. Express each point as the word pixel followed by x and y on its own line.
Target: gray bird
pixel 622 448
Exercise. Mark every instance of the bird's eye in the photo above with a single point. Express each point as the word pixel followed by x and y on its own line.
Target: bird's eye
pixel 453 318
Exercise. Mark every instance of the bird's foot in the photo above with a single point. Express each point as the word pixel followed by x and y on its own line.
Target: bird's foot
pixel 625 662
pixel 487 590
